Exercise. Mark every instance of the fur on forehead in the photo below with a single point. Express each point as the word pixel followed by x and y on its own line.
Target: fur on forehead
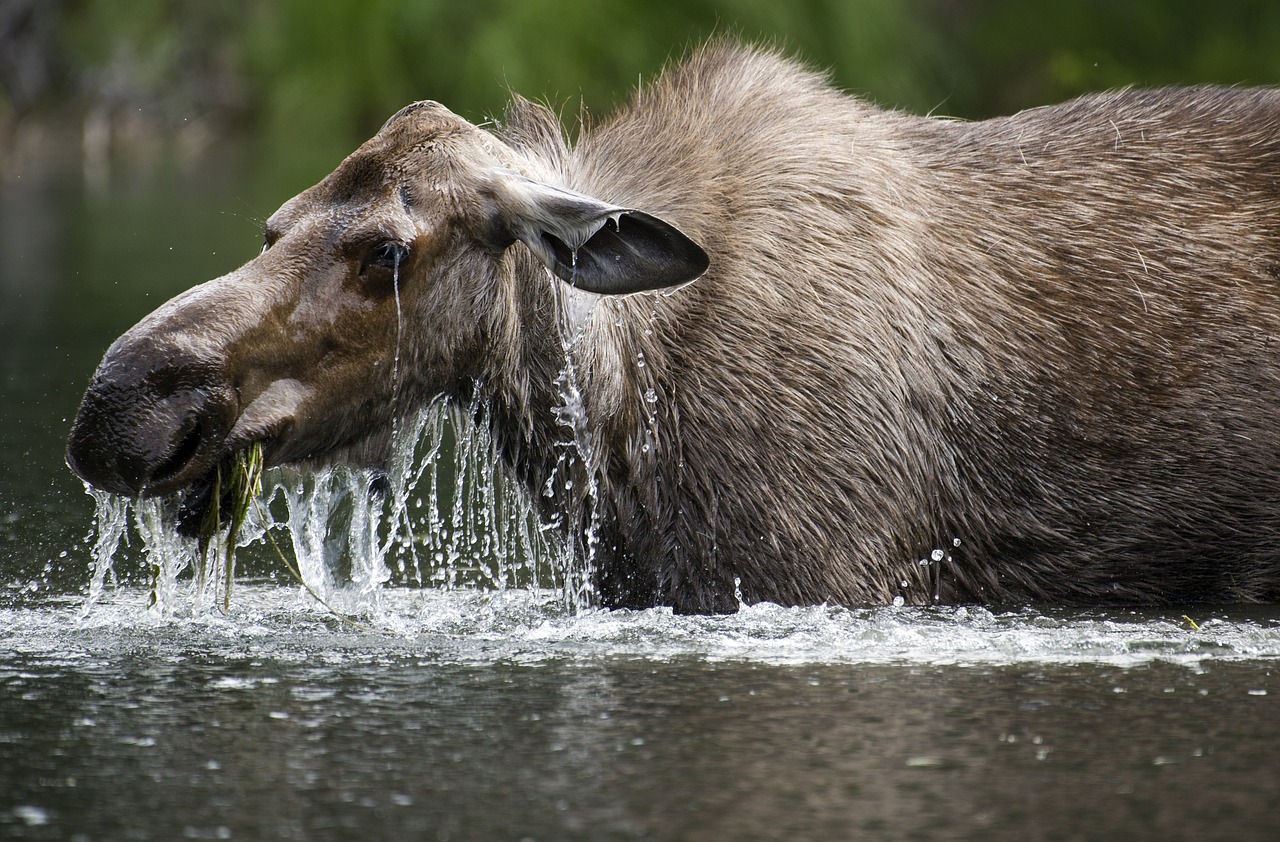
pixel 420 139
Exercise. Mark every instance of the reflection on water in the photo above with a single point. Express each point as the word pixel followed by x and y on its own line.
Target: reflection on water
pixel 472 715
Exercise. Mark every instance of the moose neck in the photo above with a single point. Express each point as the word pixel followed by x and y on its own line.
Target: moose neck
pixel 575 415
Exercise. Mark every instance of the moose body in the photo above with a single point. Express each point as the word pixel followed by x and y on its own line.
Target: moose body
pixel 806 350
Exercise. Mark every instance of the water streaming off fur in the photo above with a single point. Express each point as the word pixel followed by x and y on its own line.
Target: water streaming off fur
pixel 442 516
pixel 451 558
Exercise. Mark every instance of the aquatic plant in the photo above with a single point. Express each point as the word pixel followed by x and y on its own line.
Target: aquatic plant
pixel 243 485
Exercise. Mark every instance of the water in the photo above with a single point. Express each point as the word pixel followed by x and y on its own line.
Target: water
pixel 444 517
pixel 470 701
pixel 478 715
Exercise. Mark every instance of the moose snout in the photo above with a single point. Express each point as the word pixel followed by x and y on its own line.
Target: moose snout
pixel 150 426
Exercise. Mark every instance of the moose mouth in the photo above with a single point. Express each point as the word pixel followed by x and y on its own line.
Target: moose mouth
pixel 195 498
pixel 191 482
pixel 209 438
pixel 131 454
pixel 181 447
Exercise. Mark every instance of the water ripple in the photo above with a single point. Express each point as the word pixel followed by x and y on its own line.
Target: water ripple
pixel 528 627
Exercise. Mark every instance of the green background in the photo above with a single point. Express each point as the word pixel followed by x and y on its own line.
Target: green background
pixel 308 79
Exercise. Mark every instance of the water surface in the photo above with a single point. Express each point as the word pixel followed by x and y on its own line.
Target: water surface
pixel 472 715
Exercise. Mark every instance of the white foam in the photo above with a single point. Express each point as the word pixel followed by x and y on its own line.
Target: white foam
pixel 523 626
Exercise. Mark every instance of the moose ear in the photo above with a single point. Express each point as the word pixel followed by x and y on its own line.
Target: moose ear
pixel 592 245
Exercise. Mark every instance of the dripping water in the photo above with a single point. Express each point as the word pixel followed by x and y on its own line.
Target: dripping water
pixel 576 450
pixel 395 359
pixel 577 457
pixel 444 516
pixel 441 514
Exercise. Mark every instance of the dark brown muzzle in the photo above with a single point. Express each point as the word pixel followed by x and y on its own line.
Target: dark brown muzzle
pixel 153 421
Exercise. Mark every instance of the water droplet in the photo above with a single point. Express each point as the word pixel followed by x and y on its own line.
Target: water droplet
pixel 31 815
pixel 923 762
pixel 898 601
pixel 937 555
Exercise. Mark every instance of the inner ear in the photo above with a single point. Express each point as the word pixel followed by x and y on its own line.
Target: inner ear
pixel 631 252
pixel 593 245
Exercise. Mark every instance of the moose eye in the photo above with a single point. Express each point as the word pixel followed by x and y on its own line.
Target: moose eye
pixel 386 255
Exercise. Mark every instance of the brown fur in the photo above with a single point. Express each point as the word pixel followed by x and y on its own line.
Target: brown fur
pixel 1047 336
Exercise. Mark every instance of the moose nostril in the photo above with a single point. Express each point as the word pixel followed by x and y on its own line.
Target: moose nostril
pixel 182 454
pixel 154 416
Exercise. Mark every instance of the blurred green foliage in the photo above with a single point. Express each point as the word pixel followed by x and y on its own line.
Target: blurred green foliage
pixel 311 78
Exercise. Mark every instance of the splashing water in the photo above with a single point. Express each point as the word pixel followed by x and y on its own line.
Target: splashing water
pixel 442 514
pixel 571 414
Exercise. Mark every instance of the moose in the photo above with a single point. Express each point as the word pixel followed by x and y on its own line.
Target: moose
pixel 808 350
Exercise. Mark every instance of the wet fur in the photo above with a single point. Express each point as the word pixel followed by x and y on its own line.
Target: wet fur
pixel 1050 336
pixel 1043 345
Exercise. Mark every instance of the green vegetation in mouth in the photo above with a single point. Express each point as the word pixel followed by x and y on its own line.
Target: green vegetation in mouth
pixel 237 481
pixel 237 485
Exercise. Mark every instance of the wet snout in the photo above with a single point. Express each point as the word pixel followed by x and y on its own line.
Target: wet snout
pixel 165 404
pixel 155 418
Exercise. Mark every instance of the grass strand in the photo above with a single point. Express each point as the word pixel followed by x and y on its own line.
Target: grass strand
pixel 242 486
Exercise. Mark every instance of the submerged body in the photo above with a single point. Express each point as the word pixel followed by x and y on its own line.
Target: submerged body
pixel 1034 353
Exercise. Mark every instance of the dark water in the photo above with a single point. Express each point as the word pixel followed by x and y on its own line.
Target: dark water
pixel 500 716
pixel 492 716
